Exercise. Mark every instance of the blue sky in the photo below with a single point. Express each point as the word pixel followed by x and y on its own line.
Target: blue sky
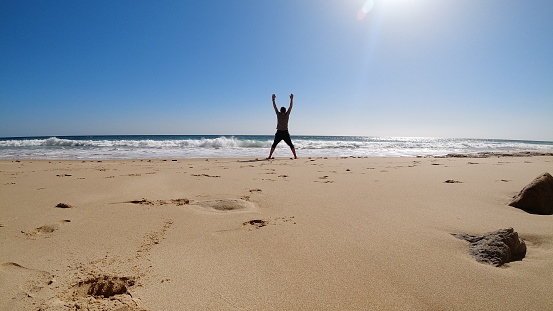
pixel 443 68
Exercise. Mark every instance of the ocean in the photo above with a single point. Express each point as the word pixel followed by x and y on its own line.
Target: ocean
pixel 248 146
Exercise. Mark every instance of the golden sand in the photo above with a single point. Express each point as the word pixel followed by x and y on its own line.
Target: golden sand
pixel 249 234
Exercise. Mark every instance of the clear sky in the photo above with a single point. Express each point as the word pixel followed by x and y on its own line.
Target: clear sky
pixel 441 68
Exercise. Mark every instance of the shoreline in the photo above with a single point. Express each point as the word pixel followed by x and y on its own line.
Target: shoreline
pixel 477 155
pixel 322 233
pixel 498 154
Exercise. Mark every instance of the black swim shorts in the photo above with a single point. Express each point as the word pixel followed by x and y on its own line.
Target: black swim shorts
pixel 282 135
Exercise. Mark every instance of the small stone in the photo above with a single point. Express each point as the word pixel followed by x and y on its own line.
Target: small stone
pixel 64 205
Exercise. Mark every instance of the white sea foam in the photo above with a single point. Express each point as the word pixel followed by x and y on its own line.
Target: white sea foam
pixel 129 147
pixel 219 142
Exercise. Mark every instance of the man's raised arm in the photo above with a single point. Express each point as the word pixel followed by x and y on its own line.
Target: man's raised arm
pixel 291 102
pixel 274 104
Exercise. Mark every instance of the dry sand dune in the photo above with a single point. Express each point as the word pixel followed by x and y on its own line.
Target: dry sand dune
pixel 243 234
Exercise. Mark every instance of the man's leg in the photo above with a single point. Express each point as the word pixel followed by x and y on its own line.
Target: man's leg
pixel 275 143
pixel 271 153
pixel 288 141
pixel 294 152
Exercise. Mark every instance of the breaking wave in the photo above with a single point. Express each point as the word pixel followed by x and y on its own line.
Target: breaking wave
pixel 196 146
pixel 219 142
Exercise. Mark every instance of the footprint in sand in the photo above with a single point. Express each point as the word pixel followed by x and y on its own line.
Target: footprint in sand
pixel 256 223
pixel 45 231
pixel 205 175
pixel 226 205
pixel 20 285
pixel 102 286
pixel 451 181
pixel 324 179
pixel 177 202
pixel 100 292
pixel 260 223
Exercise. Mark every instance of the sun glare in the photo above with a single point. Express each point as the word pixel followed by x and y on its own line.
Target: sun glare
pixel 398 4
pixel 367 7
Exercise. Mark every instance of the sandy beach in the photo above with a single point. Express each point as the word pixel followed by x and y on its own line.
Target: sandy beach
pixel 254 234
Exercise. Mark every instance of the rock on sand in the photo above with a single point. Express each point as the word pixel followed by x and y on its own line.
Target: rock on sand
pixel 495 248
pixel 536 197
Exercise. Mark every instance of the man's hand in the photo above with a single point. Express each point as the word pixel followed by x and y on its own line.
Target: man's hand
pixel 291 96
pixel 274 96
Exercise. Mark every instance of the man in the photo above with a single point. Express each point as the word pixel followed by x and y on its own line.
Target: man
pixel 282 127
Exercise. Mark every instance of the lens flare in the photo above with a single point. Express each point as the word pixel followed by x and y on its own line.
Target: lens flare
pixel 367 7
